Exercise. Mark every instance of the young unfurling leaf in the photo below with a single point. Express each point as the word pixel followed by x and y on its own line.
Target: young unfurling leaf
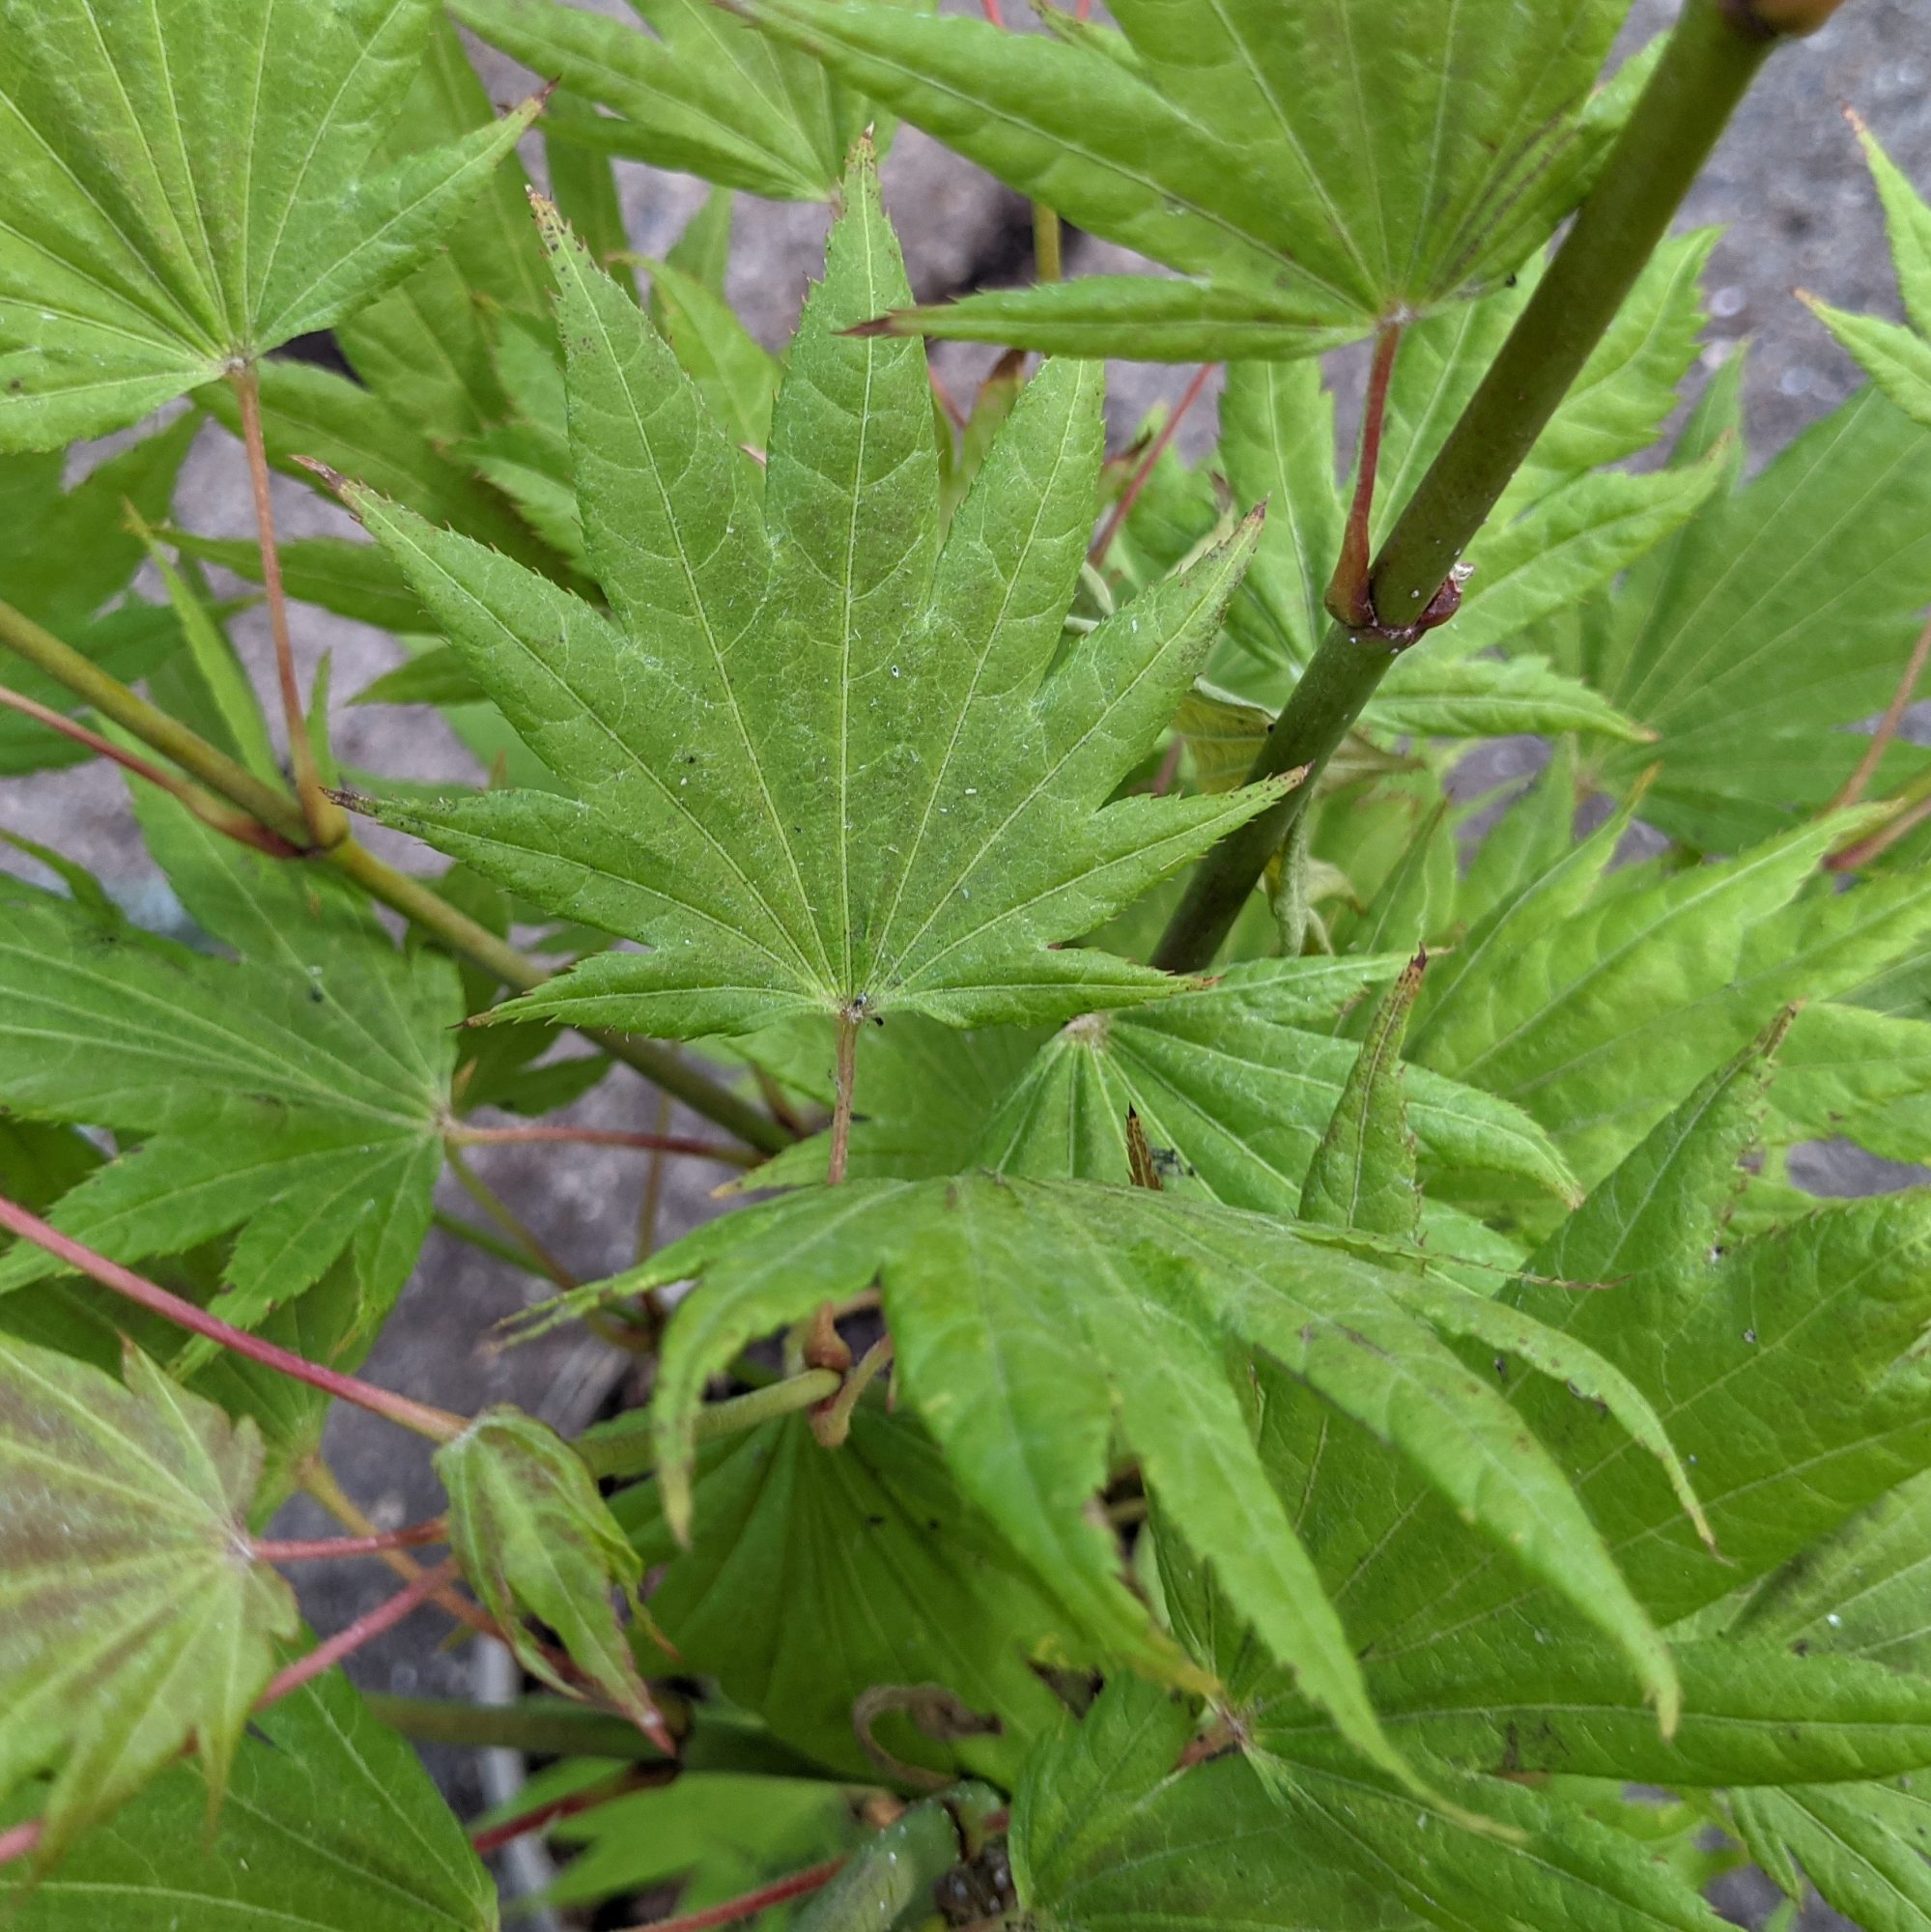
pixel 533 1535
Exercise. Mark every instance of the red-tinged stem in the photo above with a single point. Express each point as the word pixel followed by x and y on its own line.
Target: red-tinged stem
pixel 437 1424
pixel 611 1137
pixel 1349 598
pixel 326 818
pixel 235 824
pixel 1887 729
pixel 20 1839
pixel 1169 768
pixel 366 1630
pixel 994 13
pixel 1157 448
pixel 750 1904
pixel 541 1816
pixel 848 1024
pixel 318 1480
pixel 321 1548
pixel 1854 857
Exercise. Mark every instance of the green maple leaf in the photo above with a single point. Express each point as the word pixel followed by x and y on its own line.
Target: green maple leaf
pixel 699 92
pixel 1317 170
pixel 1023 1379
pixel 298 1092
pixel 714 1835
pixel 783 1533
pixel 1235 1086
pixel 134 1616
pixel 816 763
pixel 189 185
pixel 329 1822
pixel 1861 1846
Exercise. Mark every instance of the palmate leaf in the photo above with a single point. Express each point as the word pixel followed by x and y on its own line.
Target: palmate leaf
pixel 330 1823
pixel 785 1539
pixel 1021 1379
pixel 66 558
pixel 1786 1371
pixel 819 764
pixel 1234 1088
pixel 713 1834
pixel 1271 155
pixel 132 1616
pixel 189 185
pixel 298 1092
pixel 697 92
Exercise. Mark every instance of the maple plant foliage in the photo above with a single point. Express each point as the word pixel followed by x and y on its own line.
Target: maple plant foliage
pixel 1266 1358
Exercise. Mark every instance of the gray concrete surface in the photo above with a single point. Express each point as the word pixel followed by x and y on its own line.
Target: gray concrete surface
pixel 1790 186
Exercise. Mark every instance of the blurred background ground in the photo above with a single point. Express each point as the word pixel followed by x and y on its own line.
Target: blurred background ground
pixel 1788 185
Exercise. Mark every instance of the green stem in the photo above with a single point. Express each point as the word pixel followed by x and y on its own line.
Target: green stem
pixel 498 1210
pixel 490 1244
pixel 1048 243
pixel 545 1726
pixel 272 806
pixel 1712 57
pixel 625 1447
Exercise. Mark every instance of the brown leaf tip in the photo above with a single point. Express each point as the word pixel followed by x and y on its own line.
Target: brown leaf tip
pixel 331 477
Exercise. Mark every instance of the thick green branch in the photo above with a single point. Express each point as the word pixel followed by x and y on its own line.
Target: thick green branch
pixel 1713 55
pixel 274 808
